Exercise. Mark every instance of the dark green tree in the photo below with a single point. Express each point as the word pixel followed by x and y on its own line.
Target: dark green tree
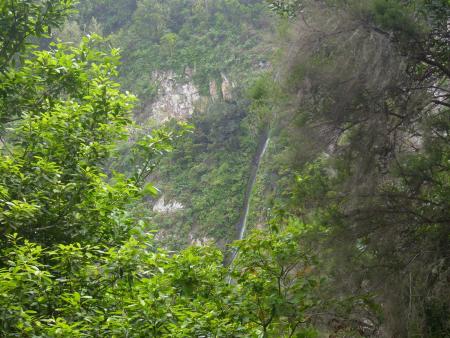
pixel 369 84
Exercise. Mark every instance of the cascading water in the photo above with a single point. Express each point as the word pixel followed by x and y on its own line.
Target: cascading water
pixel 242 224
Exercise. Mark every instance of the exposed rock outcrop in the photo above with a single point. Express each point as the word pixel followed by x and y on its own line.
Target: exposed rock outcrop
pixel 177 97
pixel 227 87
pixel 222 90
pixel 171 206
pixel 213 92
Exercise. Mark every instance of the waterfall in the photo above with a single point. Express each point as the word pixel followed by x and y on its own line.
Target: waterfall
pixel 242 224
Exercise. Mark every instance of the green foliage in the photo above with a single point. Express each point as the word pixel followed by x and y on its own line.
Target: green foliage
pixel 62 115
pixel 133 289
pixel 288 8
pixel 266 96
pixel 177 35
pixel 140 157
pixel 369 150
pixel 75 260
pixel 207 173
pixel 128 290
pixel 393 15
pixel 275 271
pixel 364 164
pixel 113 14
pixel 23 19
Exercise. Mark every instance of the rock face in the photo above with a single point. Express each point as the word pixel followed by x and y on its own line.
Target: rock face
pixel 227 87
pixel 213 92
pixel 171 206
pixel 176 98
pixel 222 90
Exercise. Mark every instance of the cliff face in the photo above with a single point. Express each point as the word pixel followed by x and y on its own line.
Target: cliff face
pixel 178 96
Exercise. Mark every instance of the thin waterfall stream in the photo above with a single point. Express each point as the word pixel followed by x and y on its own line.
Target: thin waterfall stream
pixel 242 224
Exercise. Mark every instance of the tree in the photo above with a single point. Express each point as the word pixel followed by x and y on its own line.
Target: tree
pixel 369 90
pixel 61 116
pixel 127 290
pixel 21 20
pixel 276 273
pixel 287 8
